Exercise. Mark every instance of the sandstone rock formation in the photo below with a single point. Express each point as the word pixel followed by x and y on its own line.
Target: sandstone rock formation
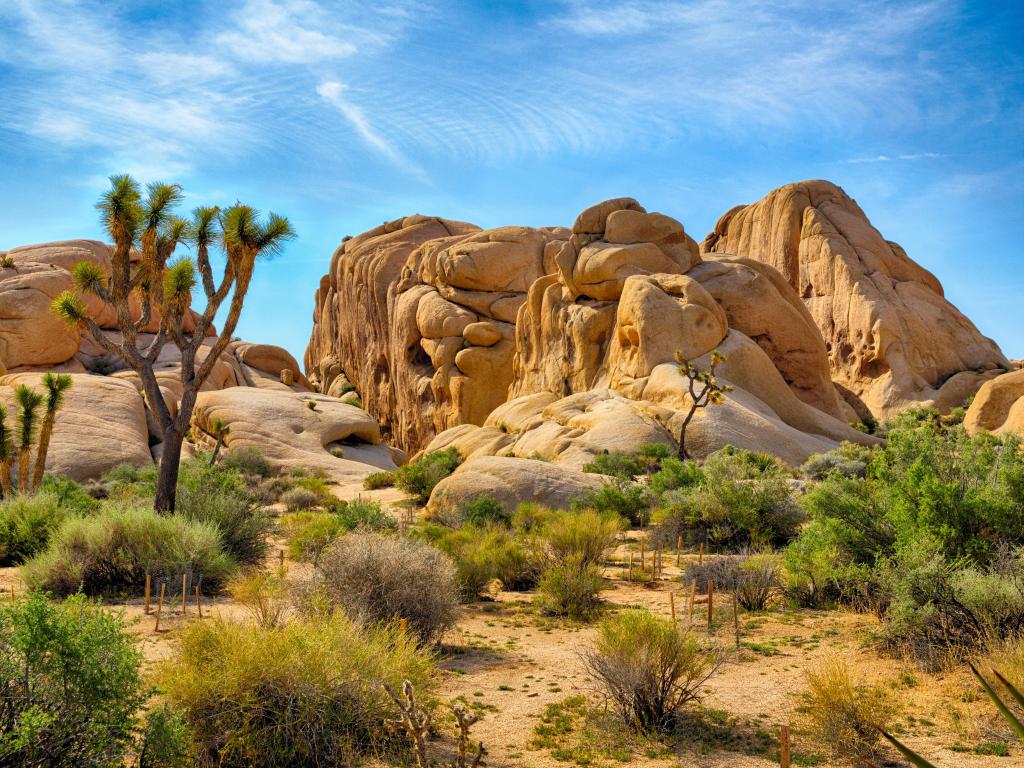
pixel 586 362
pixel 892 338
pixel 999 406
pixel 105 421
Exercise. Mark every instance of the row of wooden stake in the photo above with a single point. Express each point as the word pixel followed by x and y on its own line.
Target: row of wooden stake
pixel 163 592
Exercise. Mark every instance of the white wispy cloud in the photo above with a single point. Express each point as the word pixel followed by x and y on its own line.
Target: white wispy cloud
pixel 891 158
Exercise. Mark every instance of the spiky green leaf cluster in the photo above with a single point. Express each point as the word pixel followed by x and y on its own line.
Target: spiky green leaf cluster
pixel 88 277
pixel 6 446
pixel 69 308
pixel 120 208
pixel 179 280
pixel 56 384
pixel 28 401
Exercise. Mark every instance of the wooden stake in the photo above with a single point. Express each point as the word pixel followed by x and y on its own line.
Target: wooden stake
pixel 784 747
pixel 711 602
pixel 160 606
pixel 672 605
pixel 199 603
pixel 679 549
pixel 13 598
pixel 736 616
pixel 280 558
pixel 700 556
pixel 149 587
pixel 643 564
pixel 184 593
pixel 630 566
pixel 693 599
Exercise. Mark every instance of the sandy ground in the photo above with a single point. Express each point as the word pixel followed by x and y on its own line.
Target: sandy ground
pixel 511 663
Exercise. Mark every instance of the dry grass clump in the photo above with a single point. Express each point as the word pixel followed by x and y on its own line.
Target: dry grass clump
pixel 649 668
pixel 587 535
pixel 264 595
pixel 570 588
pixel 376 480
pixel 305 693
pixel 843 715
pixel 755 578
pixel 297 499
pixel 376 578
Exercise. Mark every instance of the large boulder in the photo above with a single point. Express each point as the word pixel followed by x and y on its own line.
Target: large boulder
pixel 30 334
pixel 512 481
pixel 101 424
pixel 341 439
pixel 892 338
pixel 999 406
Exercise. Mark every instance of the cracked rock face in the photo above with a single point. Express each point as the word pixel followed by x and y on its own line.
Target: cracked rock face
pixel 892 338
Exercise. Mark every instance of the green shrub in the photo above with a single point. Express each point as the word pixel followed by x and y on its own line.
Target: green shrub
pixel 69 684
pixel 483 510
pixel 165 741
pixel 628 465
pixel 821 465
pixel 111 552
pixel 482 555
pixel 243 525
pixel 648 668
pixel 122 473
pixel 26 525
pixel 264 594
pixel 753 577
pixel 843 716
pixel 376 578
pixel 311 533
pixel 246 460
pixel 570 588
pixel 300 498
pixel 586 534
pixel 675 473
pixel 363 514
pixel 631 501
pixel 70 495
pixel 418 478
pixel 376 480
pixel 308 692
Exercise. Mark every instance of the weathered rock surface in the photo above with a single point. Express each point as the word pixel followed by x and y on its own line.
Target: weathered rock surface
pixel 31 335
pixel 512 481
pixel 999 406
pixel 892 338
pixel 291 434
pixel 101 424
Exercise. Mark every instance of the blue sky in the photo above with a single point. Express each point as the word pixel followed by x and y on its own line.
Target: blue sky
pixel 342 116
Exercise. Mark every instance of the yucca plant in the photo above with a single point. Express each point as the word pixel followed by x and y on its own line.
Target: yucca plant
pixel 1014 721
pixel 220 431
pixel 56 385
pixel 6 453
pixel 28 401
pixel 146 223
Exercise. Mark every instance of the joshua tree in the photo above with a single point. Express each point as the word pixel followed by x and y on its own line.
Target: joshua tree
pixel 710 391
pixel 56 385
pixel 6 454
pixel 220 430
pixel 165 287
pixel 28 401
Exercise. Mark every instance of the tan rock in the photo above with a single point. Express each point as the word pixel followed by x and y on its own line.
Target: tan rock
pixel 30 334
pixel 101 424
pixel 513 481
pixel 272 360
pixel 998 406
pixel 291 434
pixel 891 336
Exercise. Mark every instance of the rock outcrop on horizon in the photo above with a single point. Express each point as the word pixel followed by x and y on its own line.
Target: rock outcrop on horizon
pixel 892 338
pixel 105 422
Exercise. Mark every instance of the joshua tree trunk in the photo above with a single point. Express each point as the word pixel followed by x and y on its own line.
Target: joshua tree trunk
pixel 24 456
pixel 5 477
pixel 216 448
pixel 45 432
pixel 167 479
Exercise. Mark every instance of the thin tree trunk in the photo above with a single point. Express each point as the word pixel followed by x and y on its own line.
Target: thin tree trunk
pixel 167 479
pixel 216 449
pixel 24 454
pixel 5 477
pixel 42 449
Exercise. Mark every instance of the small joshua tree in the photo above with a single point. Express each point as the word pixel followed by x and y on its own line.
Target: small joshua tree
pixel 6 454
pixel 147 226
pixel 56 385
pixel 220 431
pixel 28 401
pixel 704 389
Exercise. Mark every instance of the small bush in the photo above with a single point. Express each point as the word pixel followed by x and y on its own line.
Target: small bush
pixel 165 741
pixel 26 525
pixel 247 460
pixel 69 684
pixel 821 465
pixel 242 523
pixel 628 465
pixel 483 555
pixel 70 495
pixel 269 490
pixel 418 478
pixel 111 552
pixel 311 533
pixel 377 578
pixel 675 473
pixel 482 510
pixel 264 595
pixel 363 514
pixel 843 716
pixel 587 535
pixel 283 696
pixel 376 480
pixel 648 668
pixel 122 473
pixel 630 501
pixel 754 578
pixel 300 498
pixel 570 588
